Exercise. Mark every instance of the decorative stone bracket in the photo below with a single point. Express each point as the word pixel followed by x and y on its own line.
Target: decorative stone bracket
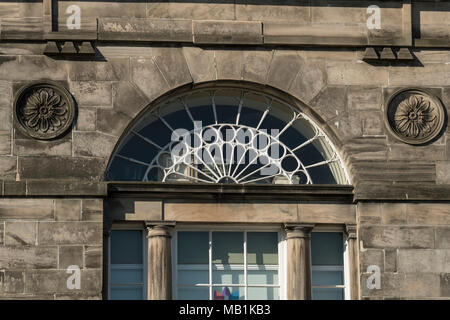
pixel 387 54
pixel 70 48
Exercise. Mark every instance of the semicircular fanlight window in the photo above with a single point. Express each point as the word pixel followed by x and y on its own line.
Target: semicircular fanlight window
pixel 226 135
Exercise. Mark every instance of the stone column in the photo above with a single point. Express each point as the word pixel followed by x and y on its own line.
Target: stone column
pixel 352 247
pixel 159 260
pixel 298 238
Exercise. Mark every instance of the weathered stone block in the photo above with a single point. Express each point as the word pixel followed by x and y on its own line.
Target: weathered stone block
pixel 408 152
pixel 371 257
pixel 32 67
pixel 33 147
pixel 28 258
pixel 428 213
pixel 364 98
pixel 330 102
pixel 107 116
pixel 229 64
pixel 283 10
pixel 369 212
pixel 61 168
pixel 67 209
pixel 59 233
pixel 201 63
pixel 310 80
pixel 172 30
pixel 289 33
pixel 227 32
pixel 5 142
pixel 93 257
pixel 11 282
pixel 92 210
pixel 93 144
pixel 367 148
pixel 284 68
pixel 41 209
pixel 205 10
pixel 256 65
pixel 393 213
pixel 73 188
pixel 390 260
pixel 445 285
pixel 5 119
pixel 86 120
pixel 147 77
pixel 55 281
pixel 442 237
pixel 433 74
pixel 351 73
pixel 172 64
pixel 20 233
pixel 442 172
pixel 427 261
pixel 70 256
pixel 397 237
pixel 8 166
pixel 128 100
pixel 2 233
pixel 114 69
pixel 92 93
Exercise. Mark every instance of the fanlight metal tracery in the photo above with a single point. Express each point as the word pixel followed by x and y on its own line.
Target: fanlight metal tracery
pixel 227 135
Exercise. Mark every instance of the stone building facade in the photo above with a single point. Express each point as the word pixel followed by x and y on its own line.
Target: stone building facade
pixel 371 78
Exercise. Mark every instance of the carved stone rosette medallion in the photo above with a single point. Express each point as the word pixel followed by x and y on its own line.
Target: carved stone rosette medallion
pixel 44 110
pixel 414 116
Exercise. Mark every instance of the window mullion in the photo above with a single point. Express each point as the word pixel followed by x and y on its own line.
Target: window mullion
pixel 245 266
pixel 210 266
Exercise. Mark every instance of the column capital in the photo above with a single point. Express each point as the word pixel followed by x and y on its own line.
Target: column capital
pixel 351 229
pixel 159 228
pixel 298 230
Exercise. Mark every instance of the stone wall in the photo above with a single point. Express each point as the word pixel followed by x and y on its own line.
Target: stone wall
pixel 40 238
pixel 52 191
pixel 410 243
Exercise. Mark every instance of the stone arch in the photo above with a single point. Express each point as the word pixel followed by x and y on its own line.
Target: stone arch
pixel 258 87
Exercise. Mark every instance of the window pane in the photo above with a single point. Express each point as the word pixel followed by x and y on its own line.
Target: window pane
pixel 228 276
pixel 126 276
pixel 328 294
pixel 262 277
pixel 193 293
pixel 193 247
pixel 263 293
pixel 228 293
pixel 126 293
pixel 193 276
pixel 327 248
pixel 126 247
pixel 262 248
pixel 228 247
pixel 327 278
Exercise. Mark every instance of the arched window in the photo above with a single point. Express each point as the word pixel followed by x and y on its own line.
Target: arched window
pixel 226 135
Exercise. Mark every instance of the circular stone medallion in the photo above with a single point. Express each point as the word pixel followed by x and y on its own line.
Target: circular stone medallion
pixel 44 110
pixel 414 116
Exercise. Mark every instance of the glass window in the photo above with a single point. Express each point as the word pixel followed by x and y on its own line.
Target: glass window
pixel 226 135
pixel 220 265
pixel 327 255
pixel 126 268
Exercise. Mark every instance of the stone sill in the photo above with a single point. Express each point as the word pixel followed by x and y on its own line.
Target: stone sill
pixel 232 192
